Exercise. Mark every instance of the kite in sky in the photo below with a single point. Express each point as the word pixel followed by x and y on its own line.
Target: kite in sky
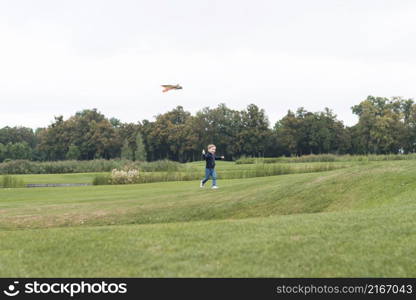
pixel 168 87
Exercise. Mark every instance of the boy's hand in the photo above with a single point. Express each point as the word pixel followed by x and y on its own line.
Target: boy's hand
pixel 222 157
pixel 203 151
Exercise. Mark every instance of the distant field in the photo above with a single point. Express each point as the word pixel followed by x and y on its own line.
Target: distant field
pixel 225 170
pixel 57 178
pixel 356 221
pixel 326 158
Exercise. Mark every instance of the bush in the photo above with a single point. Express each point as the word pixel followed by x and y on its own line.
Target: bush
pixel 101 179
pixel 11 182
pixel 15 167
pixel 124 177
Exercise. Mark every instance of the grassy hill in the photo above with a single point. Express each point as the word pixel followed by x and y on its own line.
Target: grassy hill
pixel 355 221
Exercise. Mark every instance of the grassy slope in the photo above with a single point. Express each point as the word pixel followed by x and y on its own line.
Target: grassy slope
pixel 323 245
pixel 358 221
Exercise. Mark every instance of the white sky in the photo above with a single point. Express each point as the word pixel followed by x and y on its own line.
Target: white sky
pixel 59 57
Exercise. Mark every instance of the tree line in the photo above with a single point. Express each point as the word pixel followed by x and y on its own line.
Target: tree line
pixel 385 125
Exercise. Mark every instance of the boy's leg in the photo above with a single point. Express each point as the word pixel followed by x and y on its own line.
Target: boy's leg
pixel 214 177
pixel 207 174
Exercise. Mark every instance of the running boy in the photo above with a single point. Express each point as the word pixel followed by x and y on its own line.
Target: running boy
pixel 210 158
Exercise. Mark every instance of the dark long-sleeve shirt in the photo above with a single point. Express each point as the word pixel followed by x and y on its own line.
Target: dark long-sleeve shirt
pixel 210 160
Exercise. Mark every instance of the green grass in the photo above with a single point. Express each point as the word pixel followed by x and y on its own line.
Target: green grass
pixel 318 245
pixel 7 181
pixel 356 221
pixel 191 171
pixel 325 158
pixel 57 178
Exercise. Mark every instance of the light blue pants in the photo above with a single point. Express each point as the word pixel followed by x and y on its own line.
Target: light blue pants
pixel 210 173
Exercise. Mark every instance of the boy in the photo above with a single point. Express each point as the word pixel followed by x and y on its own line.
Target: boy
pixel 210 158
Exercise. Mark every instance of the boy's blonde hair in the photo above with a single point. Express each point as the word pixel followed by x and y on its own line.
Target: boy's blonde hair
pixel 210 146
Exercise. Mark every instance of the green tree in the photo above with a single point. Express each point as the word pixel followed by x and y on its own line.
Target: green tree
pixel 288 132
pixel 73 153
pixel 221 127
pixel 128 132
pixel 254 133
pixel 54 141
pixel 3 152
pixel 17 135
pixel 140 154
pixel 312 133
pixel 126 151
pixel 115 122
pixel 89 130
pixel 18 151
pixel 382 124
pixel 167 134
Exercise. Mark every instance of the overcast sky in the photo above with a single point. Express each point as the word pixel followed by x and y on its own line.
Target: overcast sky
pixel 59 57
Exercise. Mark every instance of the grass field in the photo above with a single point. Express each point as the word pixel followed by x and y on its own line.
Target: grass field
pixel 57 178
pixel 359 220
pixel 194 170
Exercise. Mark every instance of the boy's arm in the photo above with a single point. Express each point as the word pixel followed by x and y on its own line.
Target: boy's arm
pixel 219 157
pixel 203 154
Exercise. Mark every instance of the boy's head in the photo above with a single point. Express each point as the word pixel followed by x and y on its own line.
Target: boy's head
pixel 212 148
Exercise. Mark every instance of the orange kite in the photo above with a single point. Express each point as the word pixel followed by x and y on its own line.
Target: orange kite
pixel 168 87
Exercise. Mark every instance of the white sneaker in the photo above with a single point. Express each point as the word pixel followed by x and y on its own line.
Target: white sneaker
pixel 201 184
pixel 214 187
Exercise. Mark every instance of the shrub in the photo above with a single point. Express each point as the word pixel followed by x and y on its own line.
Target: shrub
pixel 11 182
pixel 124 177
pixel 101 179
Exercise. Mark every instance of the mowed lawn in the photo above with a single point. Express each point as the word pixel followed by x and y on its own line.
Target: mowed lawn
pixel 225 168
pixel 357 221
pixel 57 178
